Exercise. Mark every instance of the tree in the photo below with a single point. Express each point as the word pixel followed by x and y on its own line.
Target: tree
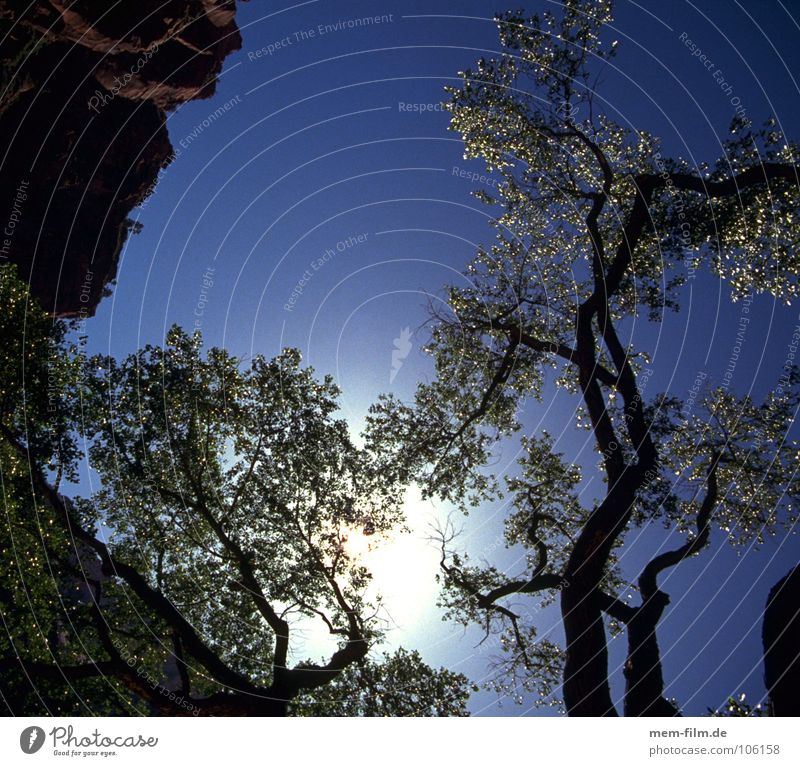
pixel 401 684
pixel 37 365
pixel 218 532
pixel 738 708
pixel 593 227
pixel 780 637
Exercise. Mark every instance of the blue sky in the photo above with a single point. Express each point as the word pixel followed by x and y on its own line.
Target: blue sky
pixel 327 212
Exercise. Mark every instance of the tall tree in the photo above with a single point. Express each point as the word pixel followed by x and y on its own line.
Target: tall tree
pixel 593 227
pixel 218 533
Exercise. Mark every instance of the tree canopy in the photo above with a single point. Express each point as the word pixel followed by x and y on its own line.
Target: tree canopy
pixel 593 226
pixel 217 532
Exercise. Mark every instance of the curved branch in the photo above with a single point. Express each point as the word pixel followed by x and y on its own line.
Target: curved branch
pixel 499 379
pixel 645 186
pixel 539 581
pixel 647 580
pixel 644 691
pixel 249 581
pixel 615 608
pixel 517 334
pixel 637 427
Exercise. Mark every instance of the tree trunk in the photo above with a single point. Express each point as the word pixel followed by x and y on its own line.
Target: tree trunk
pixel 781 640
pixel 586 688
pixel 644 681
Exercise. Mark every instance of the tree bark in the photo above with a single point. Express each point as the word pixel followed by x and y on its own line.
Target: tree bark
pixel 586 688
pixel 644 680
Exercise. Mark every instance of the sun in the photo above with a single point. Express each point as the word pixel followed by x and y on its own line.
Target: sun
pixel 403 565
pixel 357 544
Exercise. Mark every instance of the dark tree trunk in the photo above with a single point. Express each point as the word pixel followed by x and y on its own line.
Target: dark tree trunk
pixel 644 681
pixel 586 688
pixel 781 639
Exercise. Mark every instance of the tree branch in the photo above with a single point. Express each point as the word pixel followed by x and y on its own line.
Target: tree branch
pixel 249 581
pixel 647 580
pixel 644 692
pixel 112 566
pixel 646 184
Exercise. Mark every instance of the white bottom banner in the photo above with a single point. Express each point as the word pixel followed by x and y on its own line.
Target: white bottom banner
pixel 352 742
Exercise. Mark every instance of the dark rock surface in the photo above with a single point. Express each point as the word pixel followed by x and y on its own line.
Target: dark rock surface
pixel 85 88
pixel 781 637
